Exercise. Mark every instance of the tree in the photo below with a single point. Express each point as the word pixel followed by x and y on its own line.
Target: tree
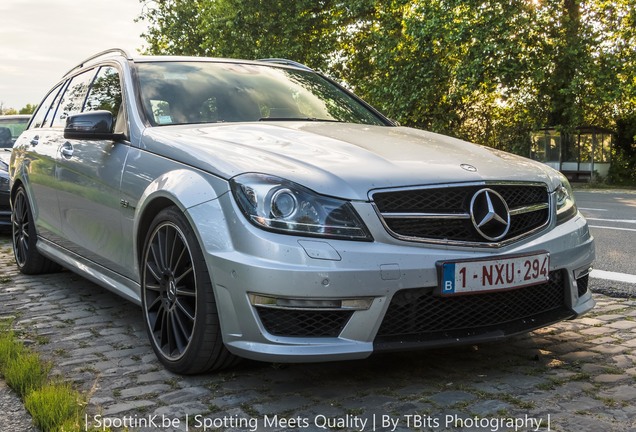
pixel 28 109
pixel 450 66
pixel 486 71
pixel 302 30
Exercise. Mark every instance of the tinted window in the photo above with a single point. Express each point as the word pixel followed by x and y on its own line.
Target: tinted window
pixel 199 92
pixel 74 97
pixel 42 116
pixel 105 93
pixel 10 128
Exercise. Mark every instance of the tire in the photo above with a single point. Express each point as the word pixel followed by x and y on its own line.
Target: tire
pixel 178 301
pixel 25 251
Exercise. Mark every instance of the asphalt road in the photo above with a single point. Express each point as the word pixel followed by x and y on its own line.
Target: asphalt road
pixel 611 216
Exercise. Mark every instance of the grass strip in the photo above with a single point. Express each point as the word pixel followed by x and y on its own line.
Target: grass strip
pixel 55 406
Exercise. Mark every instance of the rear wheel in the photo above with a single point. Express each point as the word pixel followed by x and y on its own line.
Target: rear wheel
pixel 27 257
pixel 178 298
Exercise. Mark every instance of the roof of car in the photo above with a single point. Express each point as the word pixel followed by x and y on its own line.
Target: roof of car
pixel 15 117
pixel 119 53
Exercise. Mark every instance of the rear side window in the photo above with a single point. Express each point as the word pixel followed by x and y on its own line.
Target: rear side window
pixel 42 116
pixel 74 97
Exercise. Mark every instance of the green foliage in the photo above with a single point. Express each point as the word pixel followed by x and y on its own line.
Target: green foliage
pixel 489 72
pixel 623 168
pixel 7 111
pixel 28 109
pixel 9 350
pixel 303 30
pixel 55 407
pixel 25 372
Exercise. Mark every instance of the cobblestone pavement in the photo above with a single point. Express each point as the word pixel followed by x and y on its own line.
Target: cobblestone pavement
pixel 13 416
pixel 574 376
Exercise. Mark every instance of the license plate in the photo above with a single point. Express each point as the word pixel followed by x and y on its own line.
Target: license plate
pixel 503 273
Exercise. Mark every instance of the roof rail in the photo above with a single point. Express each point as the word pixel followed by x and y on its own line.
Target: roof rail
pixel 100 54
pixel 286 62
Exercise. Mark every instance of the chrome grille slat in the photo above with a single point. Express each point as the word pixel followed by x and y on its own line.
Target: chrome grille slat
pixel 425 216
pixel 528 209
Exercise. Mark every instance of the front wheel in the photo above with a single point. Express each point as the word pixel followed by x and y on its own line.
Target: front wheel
pixel 178 298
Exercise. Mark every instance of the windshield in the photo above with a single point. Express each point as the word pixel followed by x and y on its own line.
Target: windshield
pixel 208 92
pixel 10 130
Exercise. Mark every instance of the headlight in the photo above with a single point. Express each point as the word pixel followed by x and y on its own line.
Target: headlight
pixel 565 204
pixel 280 205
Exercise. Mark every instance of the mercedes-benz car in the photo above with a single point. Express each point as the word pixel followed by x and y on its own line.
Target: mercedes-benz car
pixel 258 209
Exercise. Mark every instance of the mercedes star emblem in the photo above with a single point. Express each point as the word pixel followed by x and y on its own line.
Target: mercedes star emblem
pixel 490 215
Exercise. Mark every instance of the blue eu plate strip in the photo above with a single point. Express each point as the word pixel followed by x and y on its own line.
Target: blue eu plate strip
pixel 449 278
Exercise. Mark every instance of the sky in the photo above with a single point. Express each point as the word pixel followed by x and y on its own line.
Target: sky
pixel 40 40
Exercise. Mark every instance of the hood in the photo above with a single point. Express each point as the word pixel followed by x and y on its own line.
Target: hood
pixel 339 159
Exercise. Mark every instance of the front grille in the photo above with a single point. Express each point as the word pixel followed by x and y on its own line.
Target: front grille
pixel 443 214
pixel 417 314
pixel 303 323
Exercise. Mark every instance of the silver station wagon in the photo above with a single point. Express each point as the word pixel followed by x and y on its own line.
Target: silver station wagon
pixel 257 209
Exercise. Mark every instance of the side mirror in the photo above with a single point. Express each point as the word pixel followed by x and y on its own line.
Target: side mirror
pixel 91 125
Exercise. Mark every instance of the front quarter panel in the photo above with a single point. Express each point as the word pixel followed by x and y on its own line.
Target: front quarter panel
pixel 151 183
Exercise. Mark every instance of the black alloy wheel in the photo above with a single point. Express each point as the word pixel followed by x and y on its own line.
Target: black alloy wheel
pixel 178 299
pixel 27 257
pixel 21 221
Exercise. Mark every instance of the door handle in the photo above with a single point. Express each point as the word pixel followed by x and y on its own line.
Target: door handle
pixel 67 150
pixel 35 141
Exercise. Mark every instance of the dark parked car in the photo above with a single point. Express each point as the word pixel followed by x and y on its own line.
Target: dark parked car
pixel 258 209
pixel 11 126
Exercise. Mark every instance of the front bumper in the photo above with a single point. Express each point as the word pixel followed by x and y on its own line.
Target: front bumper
pixel 336 298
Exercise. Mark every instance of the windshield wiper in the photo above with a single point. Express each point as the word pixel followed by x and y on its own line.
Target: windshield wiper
pixel 312 119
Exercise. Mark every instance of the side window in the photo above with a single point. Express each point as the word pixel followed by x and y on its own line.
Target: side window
pixel 74 97
pixel 46 109
pixel 105 93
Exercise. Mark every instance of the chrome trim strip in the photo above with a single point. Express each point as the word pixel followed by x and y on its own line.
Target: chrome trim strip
pixel 346 304
pixel 426 215
pixel 453 185
pixel 528 209
pixel 579 273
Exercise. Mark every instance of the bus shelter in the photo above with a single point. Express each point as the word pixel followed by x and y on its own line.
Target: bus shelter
pixel 580 156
